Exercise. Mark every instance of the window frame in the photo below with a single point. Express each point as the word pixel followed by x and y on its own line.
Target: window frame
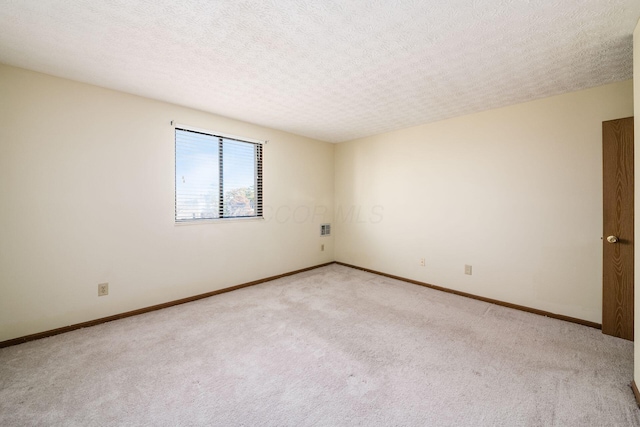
pixel 258 175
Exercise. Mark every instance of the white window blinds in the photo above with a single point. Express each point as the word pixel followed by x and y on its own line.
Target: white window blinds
pixel 216 177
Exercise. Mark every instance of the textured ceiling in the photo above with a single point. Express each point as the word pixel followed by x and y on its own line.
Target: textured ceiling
pixel 331 70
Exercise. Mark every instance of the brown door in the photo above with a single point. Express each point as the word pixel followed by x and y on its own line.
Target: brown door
pixel 617 268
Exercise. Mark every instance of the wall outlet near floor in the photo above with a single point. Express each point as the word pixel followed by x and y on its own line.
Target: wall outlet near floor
pixel 467 269
pixel 422 262
pixel 103 289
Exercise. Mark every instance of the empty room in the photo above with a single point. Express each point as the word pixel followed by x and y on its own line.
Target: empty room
pixel 328 213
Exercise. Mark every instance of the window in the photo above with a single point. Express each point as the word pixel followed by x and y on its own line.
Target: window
pixel 217 177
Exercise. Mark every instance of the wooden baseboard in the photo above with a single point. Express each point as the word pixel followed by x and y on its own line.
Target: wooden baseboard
pixel 636 393
pixel 489 300
pixel 70 328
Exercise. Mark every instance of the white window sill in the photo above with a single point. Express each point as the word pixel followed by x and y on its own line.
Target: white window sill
pixel 217 220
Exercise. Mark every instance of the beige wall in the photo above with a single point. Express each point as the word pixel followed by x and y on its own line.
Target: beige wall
pixel 87 185
pixel 515 192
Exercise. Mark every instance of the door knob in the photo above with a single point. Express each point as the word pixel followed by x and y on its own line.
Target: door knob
pixel 612 239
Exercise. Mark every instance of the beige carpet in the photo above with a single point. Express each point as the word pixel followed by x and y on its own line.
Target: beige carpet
pixel 329 347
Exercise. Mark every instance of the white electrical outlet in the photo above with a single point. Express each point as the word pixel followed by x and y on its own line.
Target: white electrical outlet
pixel 467 269
pixel 103 289
pixel 422 262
